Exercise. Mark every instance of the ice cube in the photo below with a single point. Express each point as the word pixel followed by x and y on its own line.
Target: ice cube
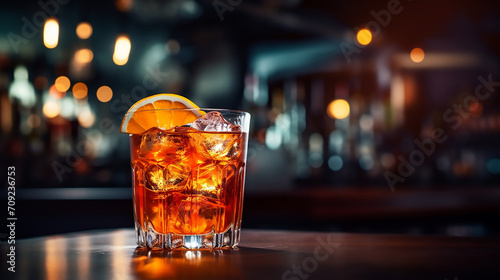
pixel 154 177
pixel 178 174
pixel 214 121
pixel 218 146
pixel 164 145
pixel 166 177
pixel 207 179
pixel 194 214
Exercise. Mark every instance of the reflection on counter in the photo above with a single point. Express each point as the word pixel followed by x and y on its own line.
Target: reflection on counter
pixel 192 264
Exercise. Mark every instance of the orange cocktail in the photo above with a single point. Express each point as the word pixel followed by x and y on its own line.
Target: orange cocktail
pixel 188 180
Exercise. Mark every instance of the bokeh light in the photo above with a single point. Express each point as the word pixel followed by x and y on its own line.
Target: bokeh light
pixel 34 121
pixel 338 109
pixel 80 90
pixel 364 36
pixel 62 83
pixel 335 163
pixel 86 118
pixel 417 55
pixel 123 5
pixel 122 50
pixel 366 162
pixel 51 109
pixel 55 93
pixel 67 108
pixel 475 109
pixel 84 30
pixel 84 56
pixel 51 33
pixel 173 46
pixel 387 160
pixel 104 94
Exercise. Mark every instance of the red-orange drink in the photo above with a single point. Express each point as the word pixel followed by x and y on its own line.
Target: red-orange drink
pixel 188 186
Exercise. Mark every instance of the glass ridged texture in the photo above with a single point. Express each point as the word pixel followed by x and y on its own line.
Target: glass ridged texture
pixel 188 185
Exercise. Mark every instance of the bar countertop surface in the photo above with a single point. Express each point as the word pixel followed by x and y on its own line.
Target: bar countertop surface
pixel 262 254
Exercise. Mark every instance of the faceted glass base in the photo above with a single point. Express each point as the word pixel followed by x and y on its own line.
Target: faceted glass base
pixel 154 240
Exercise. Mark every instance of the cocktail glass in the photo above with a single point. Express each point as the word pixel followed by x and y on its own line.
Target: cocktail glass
pixel 188 181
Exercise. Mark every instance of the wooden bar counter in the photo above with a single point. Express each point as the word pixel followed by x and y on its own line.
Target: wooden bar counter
pixel 112 254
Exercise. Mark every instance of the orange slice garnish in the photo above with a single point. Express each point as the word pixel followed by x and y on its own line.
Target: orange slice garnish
pixel 153 111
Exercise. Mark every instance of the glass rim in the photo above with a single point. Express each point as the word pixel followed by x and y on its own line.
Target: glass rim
pixel 191 109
